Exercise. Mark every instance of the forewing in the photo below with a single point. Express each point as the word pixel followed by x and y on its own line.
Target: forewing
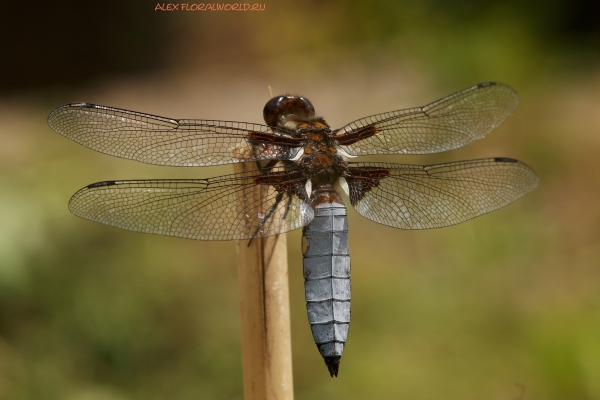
pixel 446 124
pixel 223 208
pixel 433 196
pixel 165 141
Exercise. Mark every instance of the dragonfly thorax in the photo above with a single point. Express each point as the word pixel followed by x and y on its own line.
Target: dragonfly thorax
pixel 321 156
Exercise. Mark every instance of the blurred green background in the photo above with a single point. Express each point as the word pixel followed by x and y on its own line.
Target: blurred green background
pixel 505 306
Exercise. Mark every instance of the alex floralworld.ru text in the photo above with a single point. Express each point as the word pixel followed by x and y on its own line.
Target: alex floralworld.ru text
pixel 209 7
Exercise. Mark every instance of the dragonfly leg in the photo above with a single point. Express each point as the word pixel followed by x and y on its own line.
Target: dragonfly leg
pixel 287 207
pixel 278 199
pixel 262 168
pixel 266 167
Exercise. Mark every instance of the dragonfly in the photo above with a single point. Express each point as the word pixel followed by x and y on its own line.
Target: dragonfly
pixel 304 170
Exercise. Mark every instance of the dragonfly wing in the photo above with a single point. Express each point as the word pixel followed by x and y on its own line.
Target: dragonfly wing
pixel 433 196
pixel 164 141
pixel 237 206
pixel 446 124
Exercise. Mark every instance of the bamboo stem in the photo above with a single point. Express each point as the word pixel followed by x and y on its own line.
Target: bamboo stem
pixel 265 316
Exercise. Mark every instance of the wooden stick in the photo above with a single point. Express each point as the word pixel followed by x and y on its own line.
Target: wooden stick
pixel 265 316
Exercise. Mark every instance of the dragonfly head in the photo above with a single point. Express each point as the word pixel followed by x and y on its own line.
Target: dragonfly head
pixel 281 109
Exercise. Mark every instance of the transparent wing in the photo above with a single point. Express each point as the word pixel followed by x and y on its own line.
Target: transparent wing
pixel 165 141
pixel 224 208
pixel 433 196
pixel 446 124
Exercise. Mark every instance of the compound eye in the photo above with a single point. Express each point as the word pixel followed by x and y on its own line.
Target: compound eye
pixel 280 106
